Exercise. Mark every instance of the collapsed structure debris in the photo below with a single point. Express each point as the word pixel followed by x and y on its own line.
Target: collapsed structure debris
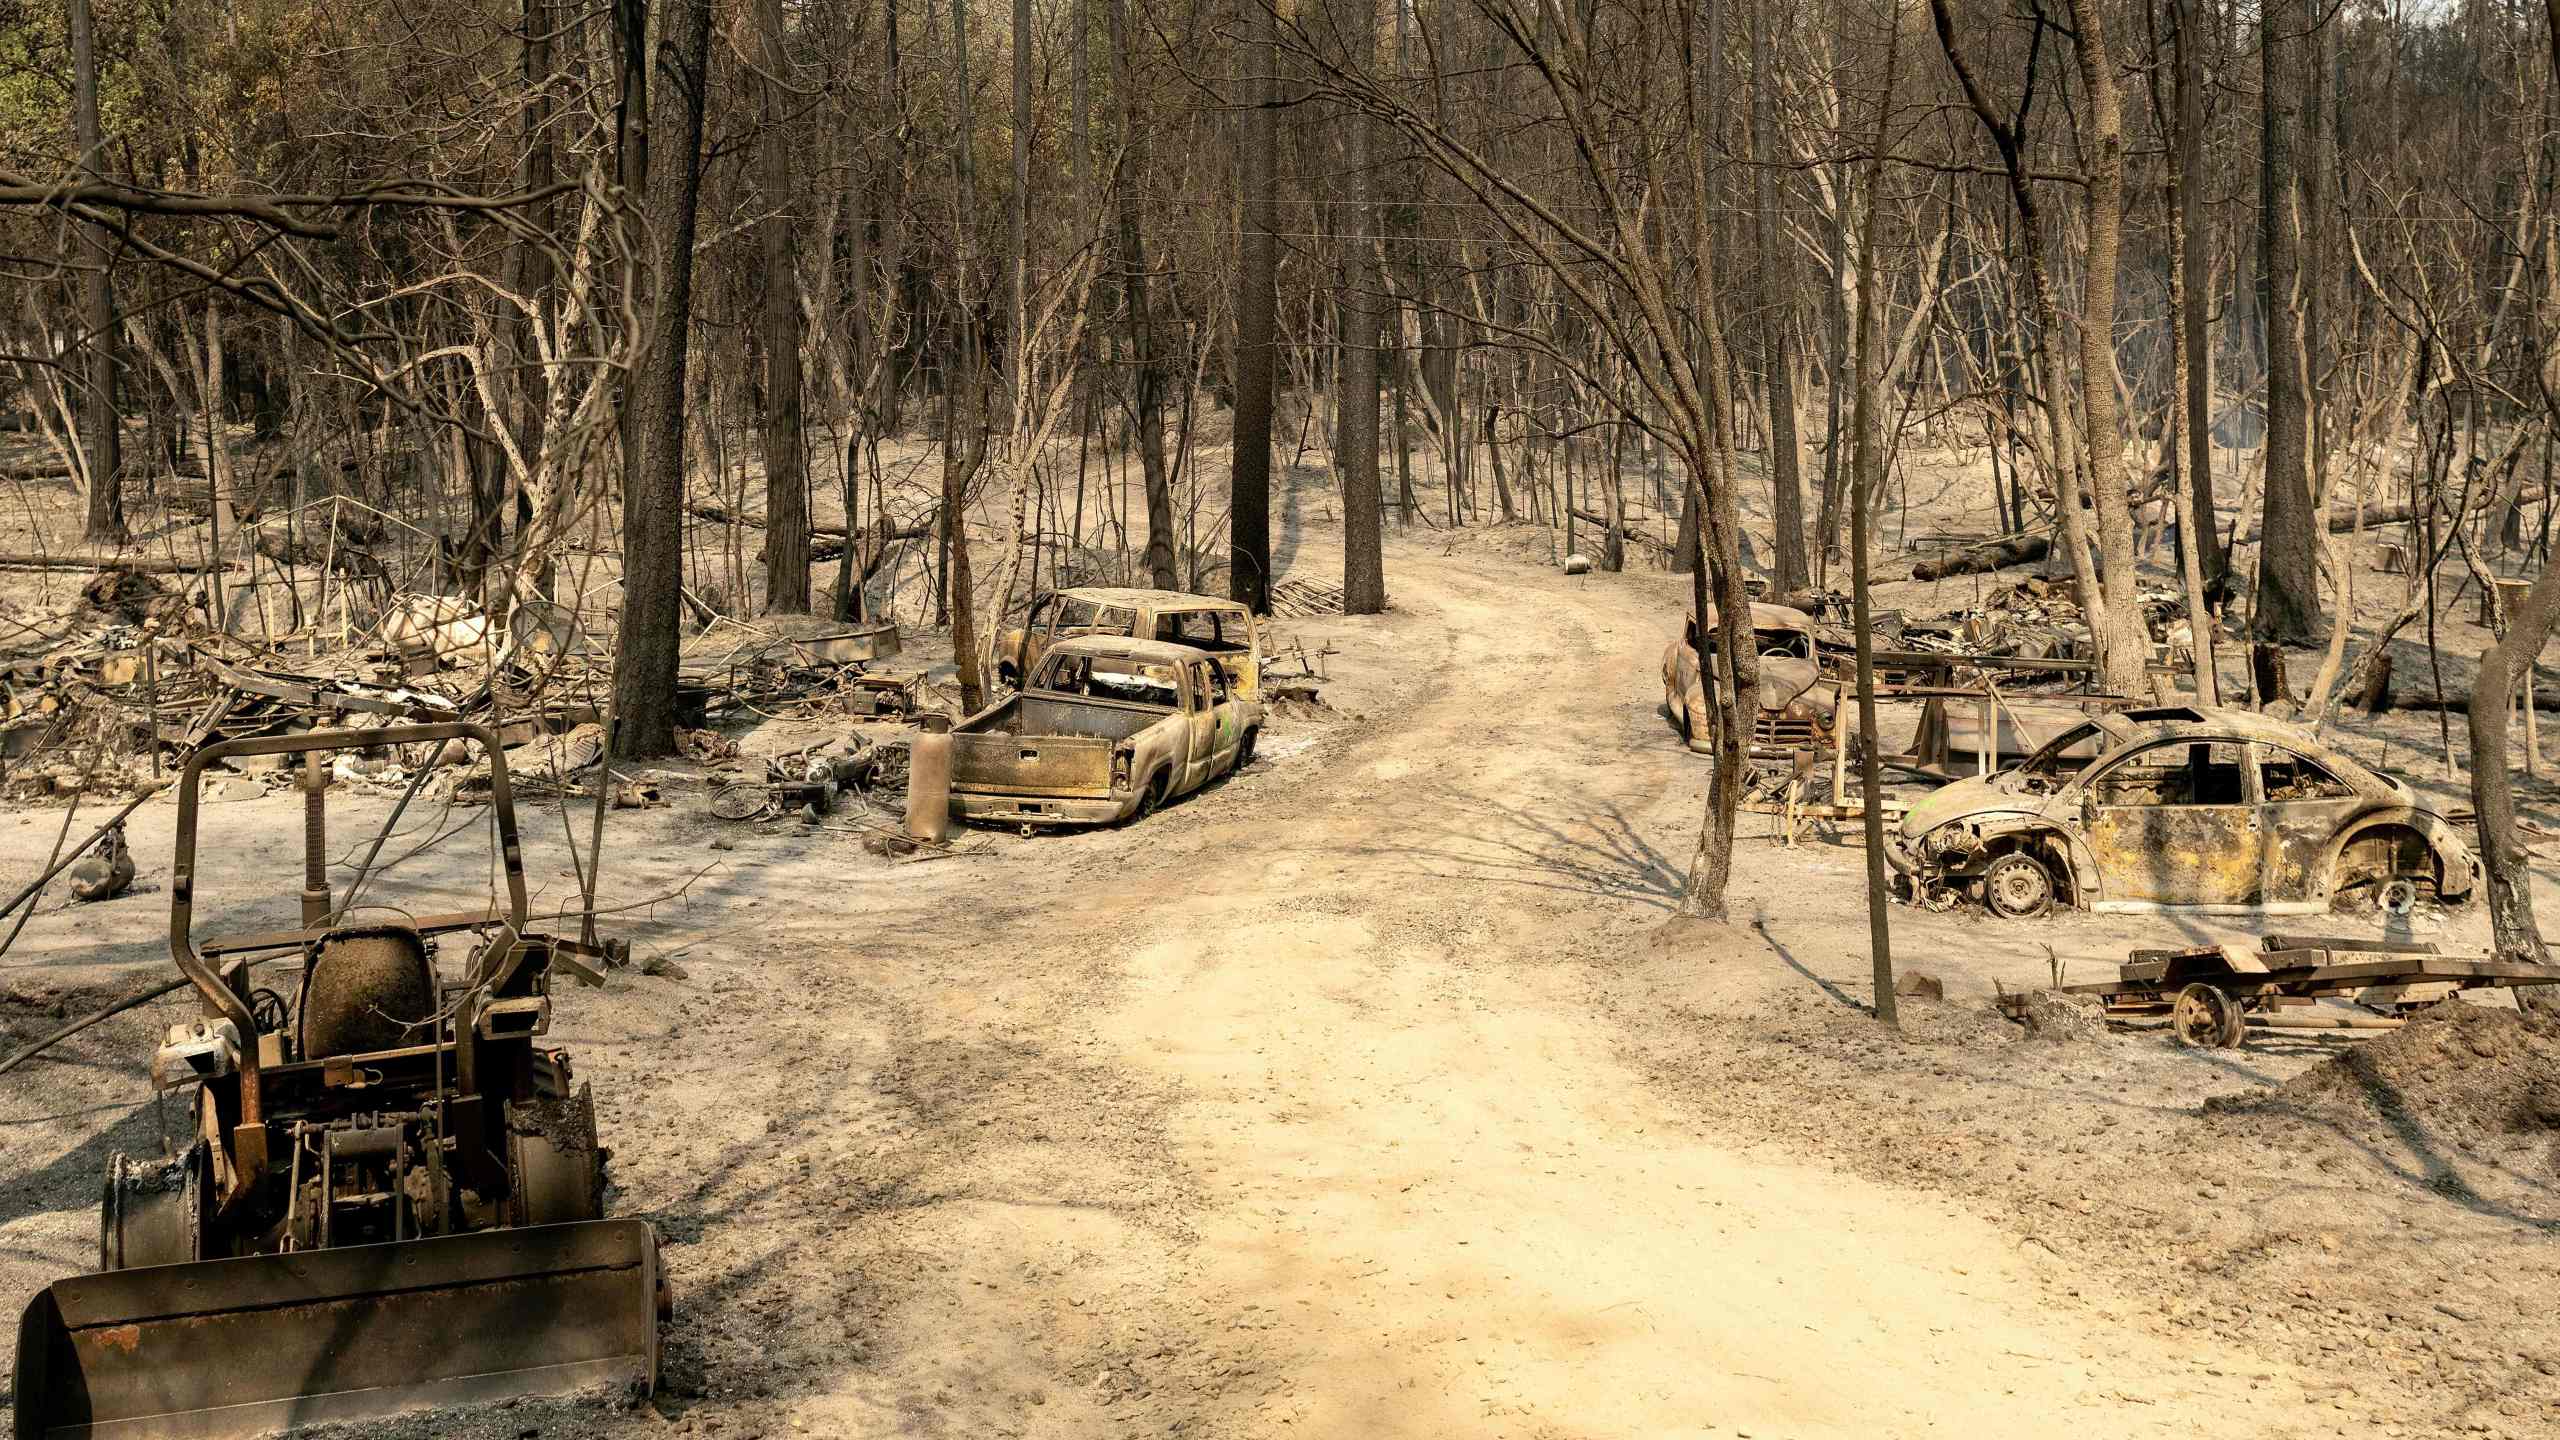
pixel 2039 617
pixel 810 781
pixel 139 678
pixel 738 670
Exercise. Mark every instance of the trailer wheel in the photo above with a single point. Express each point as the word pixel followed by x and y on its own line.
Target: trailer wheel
pixel 2207 1018
pixel 2017 887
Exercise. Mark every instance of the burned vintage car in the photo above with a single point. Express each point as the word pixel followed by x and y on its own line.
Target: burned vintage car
pixel 1796 704
pixel 2189 808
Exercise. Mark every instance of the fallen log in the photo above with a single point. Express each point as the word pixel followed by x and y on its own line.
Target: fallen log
pixel 135 566
pixel 1985 558
pixel 46 470
pixel 2341 523
pixel 2543 700
pixel 722 515
pixel 832 546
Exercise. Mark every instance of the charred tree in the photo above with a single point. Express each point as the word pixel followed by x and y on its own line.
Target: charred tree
pixel 101 433
pixel 2196 267
pixel 1256 133
pixel 2123 645
pixel 1364 574
pixel 1777 320
pixel 786 456
pixel 1146 366
pixel 644 671
pixel 2288 602
pixel 2200 558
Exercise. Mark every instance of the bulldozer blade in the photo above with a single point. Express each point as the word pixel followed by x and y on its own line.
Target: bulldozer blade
pixel 216 1349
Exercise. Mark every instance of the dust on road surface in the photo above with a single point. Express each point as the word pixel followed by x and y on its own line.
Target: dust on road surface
pixel 1287 1112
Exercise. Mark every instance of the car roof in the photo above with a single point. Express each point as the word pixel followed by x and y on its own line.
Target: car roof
pixel 2214 722
pixel 1136 598
pixel 1162 652
pixel 1771 617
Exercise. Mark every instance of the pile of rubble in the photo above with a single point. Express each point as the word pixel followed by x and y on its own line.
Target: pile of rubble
pixel 109 696
pixel 2038 618
pixel 2482 1077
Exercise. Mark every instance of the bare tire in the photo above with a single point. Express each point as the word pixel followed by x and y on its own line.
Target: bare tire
pixel 1244 751
pixel 2017 887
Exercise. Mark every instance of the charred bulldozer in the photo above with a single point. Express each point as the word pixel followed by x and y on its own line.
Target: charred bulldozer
pixel 391 1196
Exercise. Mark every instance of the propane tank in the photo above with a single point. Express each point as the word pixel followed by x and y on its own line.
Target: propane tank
pixel 929 787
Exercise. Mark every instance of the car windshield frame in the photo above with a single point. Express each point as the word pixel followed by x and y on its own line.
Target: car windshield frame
pixel 2049 756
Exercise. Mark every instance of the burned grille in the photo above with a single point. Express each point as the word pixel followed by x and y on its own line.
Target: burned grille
pixel 1782 732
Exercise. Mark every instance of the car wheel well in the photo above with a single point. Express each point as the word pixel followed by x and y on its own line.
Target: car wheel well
pixel 2380 853
pixel 2047 846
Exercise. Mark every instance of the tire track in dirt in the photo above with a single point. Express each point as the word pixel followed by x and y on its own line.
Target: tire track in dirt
pixel 1440 1201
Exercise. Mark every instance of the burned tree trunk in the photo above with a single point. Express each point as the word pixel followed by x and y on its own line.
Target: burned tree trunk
pixel 1364 575
pixel 2502 854
pixel 786 462
pixel 1777 320
pixel 2288 603
pixel 1146 368
pixel 101 437
pixel 1985 558
pixel 1257 144
pixel 644 671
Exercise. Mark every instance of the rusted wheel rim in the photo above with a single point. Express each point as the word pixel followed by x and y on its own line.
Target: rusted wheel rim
pixel 2017 887
pixel 2205 1017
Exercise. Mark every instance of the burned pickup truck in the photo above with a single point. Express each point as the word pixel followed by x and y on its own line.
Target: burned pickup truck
pixel 2183 808
pixel 1108 729
pixel 1795 704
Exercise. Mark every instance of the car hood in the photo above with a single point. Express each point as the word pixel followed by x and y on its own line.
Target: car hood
pixel 1960 799
pixel 1784 680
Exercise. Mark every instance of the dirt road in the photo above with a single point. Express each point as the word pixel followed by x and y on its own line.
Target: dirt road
pixel 1288 1112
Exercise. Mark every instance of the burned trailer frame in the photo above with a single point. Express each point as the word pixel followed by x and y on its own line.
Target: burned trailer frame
pixel 2213 995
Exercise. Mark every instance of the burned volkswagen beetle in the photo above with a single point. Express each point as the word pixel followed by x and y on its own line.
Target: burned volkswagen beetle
pixel 2188 808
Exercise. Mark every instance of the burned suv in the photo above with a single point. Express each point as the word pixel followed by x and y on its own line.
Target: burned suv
pixel 2183 808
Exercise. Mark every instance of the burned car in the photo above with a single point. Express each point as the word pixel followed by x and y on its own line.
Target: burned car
pixel 1796 705
pixel 2222 811
pixel 1225 629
